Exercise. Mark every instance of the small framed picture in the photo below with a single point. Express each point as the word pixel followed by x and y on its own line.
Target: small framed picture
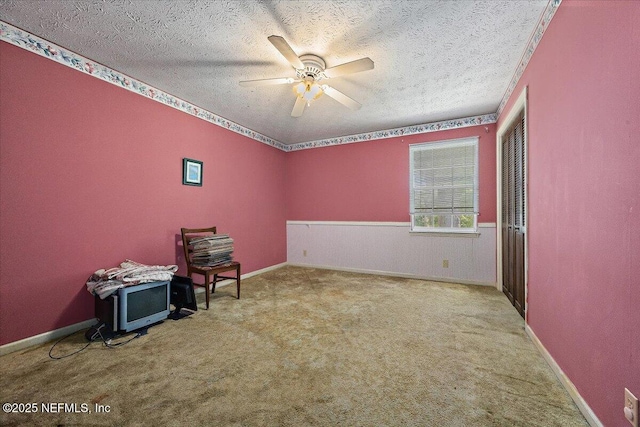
pixel 191 172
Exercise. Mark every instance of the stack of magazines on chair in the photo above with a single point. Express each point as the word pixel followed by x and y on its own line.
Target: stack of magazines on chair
pixel 211 251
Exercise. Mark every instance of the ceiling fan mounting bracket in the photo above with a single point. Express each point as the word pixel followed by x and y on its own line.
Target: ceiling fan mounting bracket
pixel 314 66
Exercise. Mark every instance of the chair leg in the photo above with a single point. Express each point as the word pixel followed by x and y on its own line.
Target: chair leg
pixel 206 286
pixel 238 280
pixel 213 286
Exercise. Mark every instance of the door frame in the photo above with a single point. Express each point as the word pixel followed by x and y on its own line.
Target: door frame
pixel 518 107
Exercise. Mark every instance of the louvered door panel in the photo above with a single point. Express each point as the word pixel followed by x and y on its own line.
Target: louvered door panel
pixel 522 160
pixel 517 175
pixel 513 214
pixel 505 219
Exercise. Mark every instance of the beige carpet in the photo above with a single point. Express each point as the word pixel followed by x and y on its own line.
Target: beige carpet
pixel 308 347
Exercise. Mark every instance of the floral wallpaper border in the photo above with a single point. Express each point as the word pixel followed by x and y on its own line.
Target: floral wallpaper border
pixel 403 131
pixel 51 51
pixel 25 40
pixel 547 15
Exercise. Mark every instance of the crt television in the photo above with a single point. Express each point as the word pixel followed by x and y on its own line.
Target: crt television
pixel 141 305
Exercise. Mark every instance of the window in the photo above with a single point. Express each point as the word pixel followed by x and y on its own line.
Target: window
pixel 444 186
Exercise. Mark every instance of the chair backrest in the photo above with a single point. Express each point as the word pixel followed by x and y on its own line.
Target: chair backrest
pixel 188 234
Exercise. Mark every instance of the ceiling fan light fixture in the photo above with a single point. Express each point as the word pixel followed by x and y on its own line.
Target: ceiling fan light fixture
pixel 308 91
pixel 299 88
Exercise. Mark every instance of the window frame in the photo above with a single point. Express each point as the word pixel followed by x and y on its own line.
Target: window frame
pixel 443 144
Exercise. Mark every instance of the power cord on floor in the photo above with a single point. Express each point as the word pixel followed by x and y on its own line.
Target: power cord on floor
pixel 105 341
pixel 66 355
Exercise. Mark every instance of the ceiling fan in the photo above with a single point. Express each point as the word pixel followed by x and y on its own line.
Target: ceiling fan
pixel 310 71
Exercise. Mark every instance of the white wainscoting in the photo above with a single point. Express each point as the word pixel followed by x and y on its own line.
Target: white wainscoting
pixel 390 248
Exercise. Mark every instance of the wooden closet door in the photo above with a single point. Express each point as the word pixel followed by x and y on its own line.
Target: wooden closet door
pixel 507 216
pixel 513 215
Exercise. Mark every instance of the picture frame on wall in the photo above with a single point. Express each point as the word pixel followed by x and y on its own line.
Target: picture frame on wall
pixel 191 172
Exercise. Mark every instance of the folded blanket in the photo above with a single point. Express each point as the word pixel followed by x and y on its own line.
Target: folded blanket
pixel 105 282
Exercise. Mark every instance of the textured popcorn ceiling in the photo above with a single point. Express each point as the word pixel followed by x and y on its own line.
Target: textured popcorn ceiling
pixel 434 60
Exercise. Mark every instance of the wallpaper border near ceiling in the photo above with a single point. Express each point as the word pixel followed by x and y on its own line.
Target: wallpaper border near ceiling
pixel 35 44
pixel 403 131
pixel 50 50
pixel 534 40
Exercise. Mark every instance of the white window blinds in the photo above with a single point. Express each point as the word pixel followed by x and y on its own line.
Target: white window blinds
pixel 444 185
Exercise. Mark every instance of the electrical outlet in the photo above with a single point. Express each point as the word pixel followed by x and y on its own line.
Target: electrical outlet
pixel 445 263
pixel 631 407
pixel 304 252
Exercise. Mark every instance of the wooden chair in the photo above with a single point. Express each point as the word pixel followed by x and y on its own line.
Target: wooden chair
pixel 211 274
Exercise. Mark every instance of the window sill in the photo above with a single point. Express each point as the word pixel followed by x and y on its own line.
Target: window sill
pixel 473 234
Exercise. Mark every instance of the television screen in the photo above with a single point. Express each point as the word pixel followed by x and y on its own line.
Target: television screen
pixel 146 302
pixel 142 305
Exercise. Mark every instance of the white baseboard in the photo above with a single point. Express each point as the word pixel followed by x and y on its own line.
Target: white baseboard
pixel 67 330
pixel 582 405
pixel 394 274
pixel 263 270
pixel 244 276
pixel 46 336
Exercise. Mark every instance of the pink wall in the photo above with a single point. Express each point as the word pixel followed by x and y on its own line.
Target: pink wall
pixel 91 174
pixel 584 193
pixel 369 181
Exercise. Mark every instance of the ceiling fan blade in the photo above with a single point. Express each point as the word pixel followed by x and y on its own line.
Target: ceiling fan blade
pixel 286 51
pixel 341 97
pixel 264 82
pixel 356 66
pixel 298 107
